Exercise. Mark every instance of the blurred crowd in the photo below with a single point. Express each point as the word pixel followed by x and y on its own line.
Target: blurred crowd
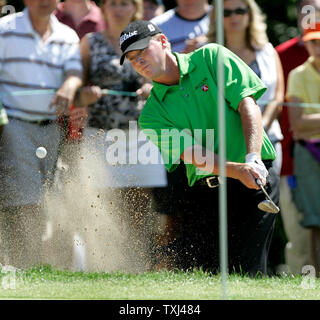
pixel 57 59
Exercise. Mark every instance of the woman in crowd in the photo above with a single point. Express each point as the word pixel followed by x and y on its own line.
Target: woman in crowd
pixel 303 87
pixel 128 183
pixel 245 35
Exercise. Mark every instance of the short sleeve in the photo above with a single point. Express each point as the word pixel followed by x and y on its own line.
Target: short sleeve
pixel 240 81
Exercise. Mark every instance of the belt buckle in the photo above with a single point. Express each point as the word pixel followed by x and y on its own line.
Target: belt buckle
pixel 212 182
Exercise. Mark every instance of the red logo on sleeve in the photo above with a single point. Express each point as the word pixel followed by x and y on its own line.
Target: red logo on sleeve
pixel 205 88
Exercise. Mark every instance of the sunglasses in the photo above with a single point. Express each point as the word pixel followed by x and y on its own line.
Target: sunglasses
pixel 240 11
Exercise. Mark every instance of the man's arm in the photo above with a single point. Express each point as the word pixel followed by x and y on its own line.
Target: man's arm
pixel 240 171
pixel 251 119
pixel 245 172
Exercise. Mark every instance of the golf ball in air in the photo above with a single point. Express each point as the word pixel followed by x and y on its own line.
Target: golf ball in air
pixel 41 152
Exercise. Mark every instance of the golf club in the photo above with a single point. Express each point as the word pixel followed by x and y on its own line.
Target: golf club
pixel 266 205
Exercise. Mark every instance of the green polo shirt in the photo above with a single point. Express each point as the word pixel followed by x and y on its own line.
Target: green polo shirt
pixel 176 117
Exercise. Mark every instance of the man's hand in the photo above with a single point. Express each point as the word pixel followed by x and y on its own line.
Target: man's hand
pixel 90 95
pixel 145 90
pixel 62 101
pixel 254 160
pixel 65 95
pixel 245 173
pixel 195 43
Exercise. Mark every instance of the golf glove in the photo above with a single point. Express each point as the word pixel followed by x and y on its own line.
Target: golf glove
pixel 254 160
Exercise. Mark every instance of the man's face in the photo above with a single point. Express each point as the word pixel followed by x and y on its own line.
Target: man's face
pixel 41 8
pixel 148 62
pixel 313 47
pixel 119 12
pixel 151 9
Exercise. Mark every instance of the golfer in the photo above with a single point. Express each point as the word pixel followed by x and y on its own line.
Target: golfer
pixel 184 100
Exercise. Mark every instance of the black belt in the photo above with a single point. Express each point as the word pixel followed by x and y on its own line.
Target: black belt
pixel 213 181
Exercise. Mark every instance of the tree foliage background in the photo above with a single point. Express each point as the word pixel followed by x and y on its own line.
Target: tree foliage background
pixel 280 14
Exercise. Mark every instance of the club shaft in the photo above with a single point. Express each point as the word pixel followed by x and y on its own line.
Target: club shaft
pixel 259 183
pixel 265 192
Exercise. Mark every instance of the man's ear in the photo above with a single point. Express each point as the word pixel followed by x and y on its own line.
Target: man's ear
pixel 163 40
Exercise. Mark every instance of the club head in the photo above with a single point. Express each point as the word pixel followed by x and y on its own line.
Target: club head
pixel 268 206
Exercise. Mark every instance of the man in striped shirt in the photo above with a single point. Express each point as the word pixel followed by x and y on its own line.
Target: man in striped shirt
pixel 40 71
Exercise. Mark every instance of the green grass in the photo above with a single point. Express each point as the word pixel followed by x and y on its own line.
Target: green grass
pixel 45 283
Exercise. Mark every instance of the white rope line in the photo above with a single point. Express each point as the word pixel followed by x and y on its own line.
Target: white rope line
pixel 291 104
pixel 134 94
pixel 53 91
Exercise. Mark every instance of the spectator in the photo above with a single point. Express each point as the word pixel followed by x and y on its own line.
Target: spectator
pixel 50 60
pixel 303 87
pixel 152 8
pixel 297 253
pixel 101 55
pixel 187 21
pixel 245 35
pixel 83 16
pixel 250 230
